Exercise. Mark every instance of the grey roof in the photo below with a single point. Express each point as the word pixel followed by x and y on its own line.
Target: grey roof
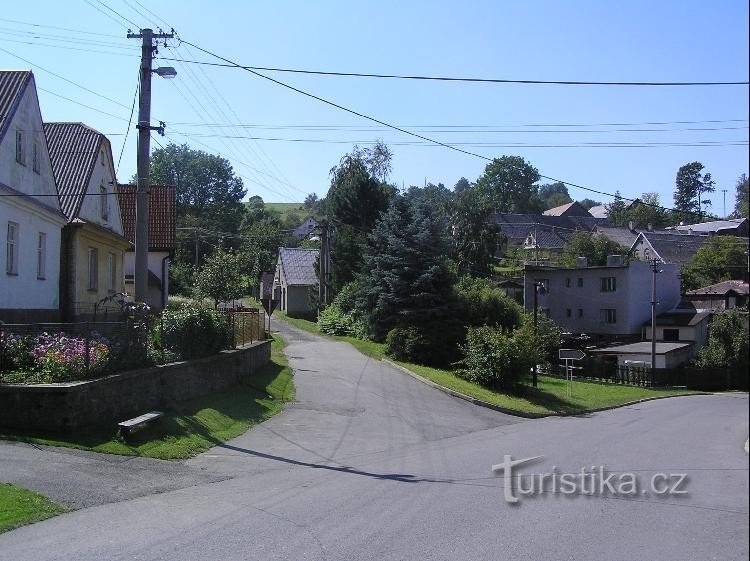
pixel 644 347
pixel 675 247
pixel 623 236
pixel 517 226
pixel 571 209
pixel 738 286
pixel 305 229
pixel 12 85
pixel 715 225
pixel 551 239
pixel 679 317
pixel 73 150
pixel 299 265
pixel 601 211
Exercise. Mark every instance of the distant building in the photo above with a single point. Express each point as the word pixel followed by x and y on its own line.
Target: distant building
pixel 731 227
pixel 602 211
pixel 668 355
pixel 162 239
pixel 611 301
pixel 305 229
pixel 294 280
pixel 570 209
pixel 668 246
pixel 720 296
pixel 623 236
pixel 684 324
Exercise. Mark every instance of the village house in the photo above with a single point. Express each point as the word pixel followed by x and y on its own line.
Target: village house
pixel 162 239
pixel 30 218
pixel 723 295
pixel 294 279
pixel 93 245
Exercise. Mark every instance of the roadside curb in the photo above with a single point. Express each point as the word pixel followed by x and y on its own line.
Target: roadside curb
pixel 524 414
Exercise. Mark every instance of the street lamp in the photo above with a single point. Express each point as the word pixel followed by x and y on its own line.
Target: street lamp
pixel 167 72
pixel 538 289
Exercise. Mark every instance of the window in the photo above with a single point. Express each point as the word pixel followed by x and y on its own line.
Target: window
pixel 103 202
pixel 41 256
pixel 93 268
pixel 608 315
pixel 11 249
pixel 35 158
pixel 672 335
pixel 111 272
pixel 609 284
pixel 568 312
pixel 20 152
pixel 580 282
pixel 567 283
pixel 545 285
pixel 580 312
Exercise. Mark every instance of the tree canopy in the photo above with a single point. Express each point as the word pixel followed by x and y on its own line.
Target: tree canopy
pixel 721 258
pixel 220 278
pixel 552 195
pixel 741 197
pixel 690 186
pixel 508 185
pixel 595 247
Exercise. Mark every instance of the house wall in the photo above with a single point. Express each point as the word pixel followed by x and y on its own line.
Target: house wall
pixel 24 297
pixel 669 360
pixel 155 295
pixel 697 334
pixel 297 300
pixel 103 174
pixel 631 299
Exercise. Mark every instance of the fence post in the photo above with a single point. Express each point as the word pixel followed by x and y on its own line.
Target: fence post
pixel 234 330
pixel 161 337
pixel 87 360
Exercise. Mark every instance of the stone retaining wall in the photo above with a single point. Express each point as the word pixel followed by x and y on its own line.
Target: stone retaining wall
pixel 67 407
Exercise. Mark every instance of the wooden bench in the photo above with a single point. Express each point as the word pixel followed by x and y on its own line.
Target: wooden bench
pixel 126 426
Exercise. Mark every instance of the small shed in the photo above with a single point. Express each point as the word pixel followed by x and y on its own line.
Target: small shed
pixel 668 355
pixel 295 279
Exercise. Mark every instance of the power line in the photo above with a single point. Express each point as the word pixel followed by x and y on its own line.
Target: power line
pixel 130 122
pixel 130 21
pixel 454 79
pixel 105 14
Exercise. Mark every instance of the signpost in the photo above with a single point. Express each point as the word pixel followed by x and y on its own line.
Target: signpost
pixel 569 355
pixel 269 305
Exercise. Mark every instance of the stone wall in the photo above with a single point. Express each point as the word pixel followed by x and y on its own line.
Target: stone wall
pixel 67 407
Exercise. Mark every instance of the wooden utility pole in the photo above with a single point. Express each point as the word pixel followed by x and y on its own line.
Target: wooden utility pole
pixel 655 270
pixel 144 154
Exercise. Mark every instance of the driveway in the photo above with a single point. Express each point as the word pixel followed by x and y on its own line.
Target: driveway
pixel 371 464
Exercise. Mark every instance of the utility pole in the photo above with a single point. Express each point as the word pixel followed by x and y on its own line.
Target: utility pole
pixel 144 127
pixel 324 264
pixel 655 270
pixel 724 195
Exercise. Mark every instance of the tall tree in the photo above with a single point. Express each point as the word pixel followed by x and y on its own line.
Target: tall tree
pixel 220 278
pixel 690 186
pixel 312 203
pixel 508 185
pixel 595 247
pixel 741 198
pixel 553 195
pixel 648 212
pixel 721 258
pixel 461 185
pixel 617 211
pixel 589 203
pixel 475 236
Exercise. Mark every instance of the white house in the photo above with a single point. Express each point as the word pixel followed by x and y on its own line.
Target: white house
pixel 294 278
pixel 30 216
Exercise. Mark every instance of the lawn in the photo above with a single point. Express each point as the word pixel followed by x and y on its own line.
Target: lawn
pixel 19 506
pixel 548 398
pixel 285 208
pixel 198 425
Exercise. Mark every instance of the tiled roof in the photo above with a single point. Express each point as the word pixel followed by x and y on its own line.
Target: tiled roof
pixel 624 236
pixel 299 265
pixel 739 286
pixel 573 208
pixel 673 247
pixel 73 151
pixel 12 84
pixel 550 239
pixel 162 211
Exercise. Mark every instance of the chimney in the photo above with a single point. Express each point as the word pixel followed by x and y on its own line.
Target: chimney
pixel 650 227
pixel 582 262
pixel 614 261
pixel 631 226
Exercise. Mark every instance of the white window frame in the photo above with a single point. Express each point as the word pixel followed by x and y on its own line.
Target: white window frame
pixel 41 256
pixel 11 248
pixel 93 269
pixel 111 272
pixel 20 152
pixel 35 158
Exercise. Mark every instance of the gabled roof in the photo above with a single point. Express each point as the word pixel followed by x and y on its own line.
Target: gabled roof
pixel 721 288
pixel 162 223
pixel 687 317
pixel 299 265
pixel 305 229
pixel 517 226
pixel 623 236
pixel 602 211
pixel 548 239
pixel 673 247
pixel 715 225
pixel 12 85
pixel 570 209
pixel 73 151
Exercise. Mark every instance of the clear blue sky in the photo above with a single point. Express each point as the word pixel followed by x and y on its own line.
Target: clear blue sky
pixel 552 40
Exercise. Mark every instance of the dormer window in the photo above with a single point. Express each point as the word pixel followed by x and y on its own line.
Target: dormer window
pixel 20 152
pixel 103 202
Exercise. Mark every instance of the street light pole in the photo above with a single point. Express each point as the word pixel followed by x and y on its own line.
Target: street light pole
pixel 537 286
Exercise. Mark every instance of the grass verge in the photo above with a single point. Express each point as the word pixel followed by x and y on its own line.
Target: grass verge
pixel 548 398
pixel 19 506
pixel 198 425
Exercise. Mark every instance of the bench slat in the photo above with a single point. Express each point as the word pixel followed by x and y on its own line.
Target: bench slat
pixel 140 419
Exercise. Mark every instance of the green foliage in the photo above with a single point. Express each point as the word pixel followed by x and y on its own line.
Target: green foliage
pixel 507 185
pixel 617 211
pixel 181 276
pixel 260 247
pixel 341 317
pixel 588 204
pixel 721 258
pixel 496 359
pixel 461 185
pixel 482 303
pixel 647 212
pixel 192 332
pixel 333 321
pixel 546 339
pixel 220 278
pixel 741 197
pixel 406 280
pixel 475 236
pixel 727 342
pixel 552 195
pixel 595 247
pixel 433 345
pixel 346 299
pixel 690 185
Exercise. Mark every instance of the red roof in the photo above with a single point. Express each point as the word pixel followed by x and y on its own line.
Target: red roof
pixel 162 210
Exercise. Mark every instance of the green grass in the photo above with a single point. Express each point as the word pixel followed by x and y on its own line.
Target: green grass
pixel 198 425
pixel 549 397
pixel 19 506
pixel 286 208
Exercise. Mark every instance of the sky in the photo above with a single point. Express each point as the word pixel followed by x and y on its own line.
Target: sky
pixel 283 144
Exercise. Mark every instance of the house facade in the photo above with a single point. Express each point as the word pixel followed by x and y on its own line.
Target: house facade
pixel 93 246
pixel 720 296
pixel 162 239
pixel 611 301
pixel 684 324
pixel 667 246
pixel 30 218
pixel 294 278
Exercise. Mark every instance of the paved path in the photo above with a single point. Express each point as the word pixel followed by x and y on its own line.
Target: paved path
pixel 371 464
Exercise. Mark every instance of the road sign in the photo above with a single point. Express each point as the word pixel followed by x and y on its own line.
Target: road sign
pixel 571 354
pixel 269 305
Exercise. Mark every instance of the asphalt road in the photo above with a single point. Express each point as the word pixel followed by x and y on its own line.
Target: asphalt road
pixel 371 464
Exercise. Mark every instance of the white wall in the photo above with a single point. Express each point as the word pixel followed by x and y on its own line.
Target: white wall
pixel 155 266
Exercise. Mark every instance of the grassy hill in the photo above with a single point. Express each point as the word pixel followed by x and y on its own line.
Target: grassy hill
pixel 285 208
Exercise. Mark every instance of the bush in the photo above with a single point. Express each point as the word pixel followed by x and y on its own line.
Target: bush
pixel 496 359
pixel 333 321
pixel 192 332
pixel 482 303
pixel 432 345
pixel 346 299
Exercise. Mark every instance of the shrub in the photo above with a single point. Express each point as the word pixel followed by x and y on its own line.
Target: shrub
pixel 482 303
pixel 346 299
pixel 496 359
pixel 192 332
pixel 15 352
pixel 334 322
pixel 432 345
